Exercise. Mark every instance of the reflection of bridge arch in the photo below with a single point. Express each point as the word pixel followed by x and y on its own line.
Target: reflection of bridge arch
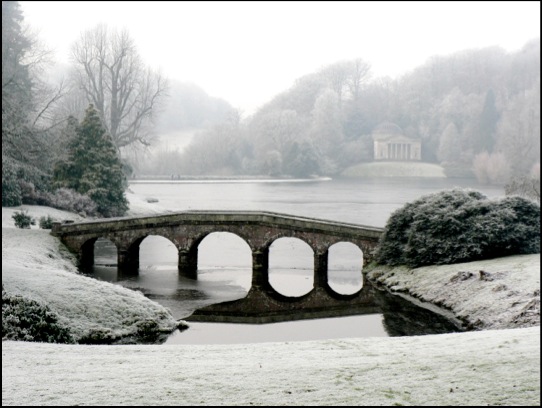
pixel 188 229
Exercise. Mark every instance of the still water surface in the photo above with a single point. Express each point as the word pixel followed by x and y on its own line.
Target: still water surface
pixel 224 260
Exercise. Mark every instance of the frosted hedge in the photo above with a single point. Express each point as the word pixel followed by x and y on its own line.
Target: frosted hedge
pixel 457 225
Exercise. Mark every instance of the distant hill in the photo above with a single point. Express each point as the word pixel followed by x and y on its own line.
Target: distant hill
pixel 394 169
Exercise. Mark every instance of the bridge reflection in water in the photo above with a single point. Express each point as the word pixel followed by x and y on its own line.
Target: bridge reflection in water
pixel 400 316
pixel 265 306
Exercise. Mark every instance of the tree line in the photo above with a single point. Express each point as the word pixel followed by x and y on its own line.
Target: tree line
pixel 476 112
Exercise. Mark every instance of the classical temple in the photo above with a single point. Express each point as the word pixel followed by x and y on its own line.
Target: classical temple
pixel 391 144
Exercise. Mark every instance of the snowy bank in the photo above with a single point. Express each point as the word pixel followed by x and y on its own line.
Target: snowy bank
pixel 36 265
pixel 500 293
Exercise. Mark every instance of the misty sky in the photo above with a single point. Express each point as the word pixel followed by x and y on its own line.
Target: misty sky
pixel 247 52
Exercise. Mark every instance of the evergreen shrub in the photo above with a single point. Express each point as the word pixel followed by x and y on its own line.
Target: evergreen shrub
pixel 22 219
pixel 11 190
pixel 46 222
pixel 93 167
pixel 459 226
pixel 26 320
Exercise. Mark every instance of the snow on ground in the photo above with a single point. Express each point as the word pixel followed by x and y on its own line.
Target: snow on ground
pixel 475 368
pixel 36 265
pixel 487 367
pixel 140 206
pixel 36 212
pixel 491 294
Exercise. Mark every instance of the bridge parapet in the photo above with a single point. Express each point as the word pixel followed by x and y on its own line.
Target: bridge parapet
pixel 216 217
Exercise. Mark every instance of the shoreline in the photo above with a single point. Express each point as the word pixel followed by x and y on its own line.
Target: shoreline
pixel 213 179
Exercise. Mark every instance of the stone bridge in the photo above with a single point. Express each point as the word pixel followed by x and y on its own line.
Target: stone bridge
pixel 258 229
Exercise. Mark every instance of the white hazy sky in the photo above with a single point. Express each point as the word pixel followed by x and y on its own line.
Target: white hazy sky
pixel 247 52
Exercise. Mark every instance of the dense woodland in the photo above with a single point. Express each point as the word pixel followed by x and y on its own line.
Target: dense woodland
pixel 476 112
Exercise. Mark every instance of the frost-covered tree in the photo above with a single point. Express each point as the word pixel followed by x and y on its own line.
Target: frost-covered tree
pixel 326 128
pixel 491 168
pixel 23 151
pixel 518 131
pixel 528 186
pixel 27 103
pixel 449 150
pixel 302 160
pixel 93 167
pixel 487 125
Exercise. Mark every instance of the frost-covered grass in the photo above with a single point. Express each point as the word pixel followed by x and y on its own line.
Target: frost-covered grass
pixel 37 266
pixel 491 294
pixel 476 368
pixel 486 367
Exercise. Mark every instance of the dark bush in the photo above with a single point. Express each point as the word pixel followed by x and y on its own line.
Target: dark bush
pixel 459 226
pixel 22 219
pixel 22 184
pixel 98 336
pixel 26 320
pixel 31 195
pixel 46 222
pixel 11 190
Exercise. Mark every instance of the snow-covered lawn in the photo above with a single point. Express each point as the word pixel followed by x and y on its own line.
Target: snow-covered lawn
pixel 488 367
pixel 499 367
pixel 36 265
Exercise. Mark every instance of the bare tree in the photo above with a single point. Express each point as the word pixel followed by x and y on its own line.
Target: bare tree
pixel 347 76
pixel 526 186
pixel 518 131
pixel 337 77
pixel 113 77
pixel 360 72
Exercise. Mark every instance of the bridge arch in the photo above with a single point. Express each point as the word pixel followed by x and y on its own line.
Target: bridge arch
pixel 293 258
pixel 197 240
pixel 85 248
pixel 86 251
pixel 232 250
pixel 129 247
pixel 345 268
pixel 157 250
pixel 277 235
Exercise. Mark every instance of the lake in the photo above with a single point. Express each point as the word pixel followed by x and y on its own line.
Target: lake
pixel 224 260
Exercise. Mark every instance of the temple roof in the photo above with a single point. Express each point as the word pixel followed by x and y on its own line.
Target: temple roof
pixel 390 131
